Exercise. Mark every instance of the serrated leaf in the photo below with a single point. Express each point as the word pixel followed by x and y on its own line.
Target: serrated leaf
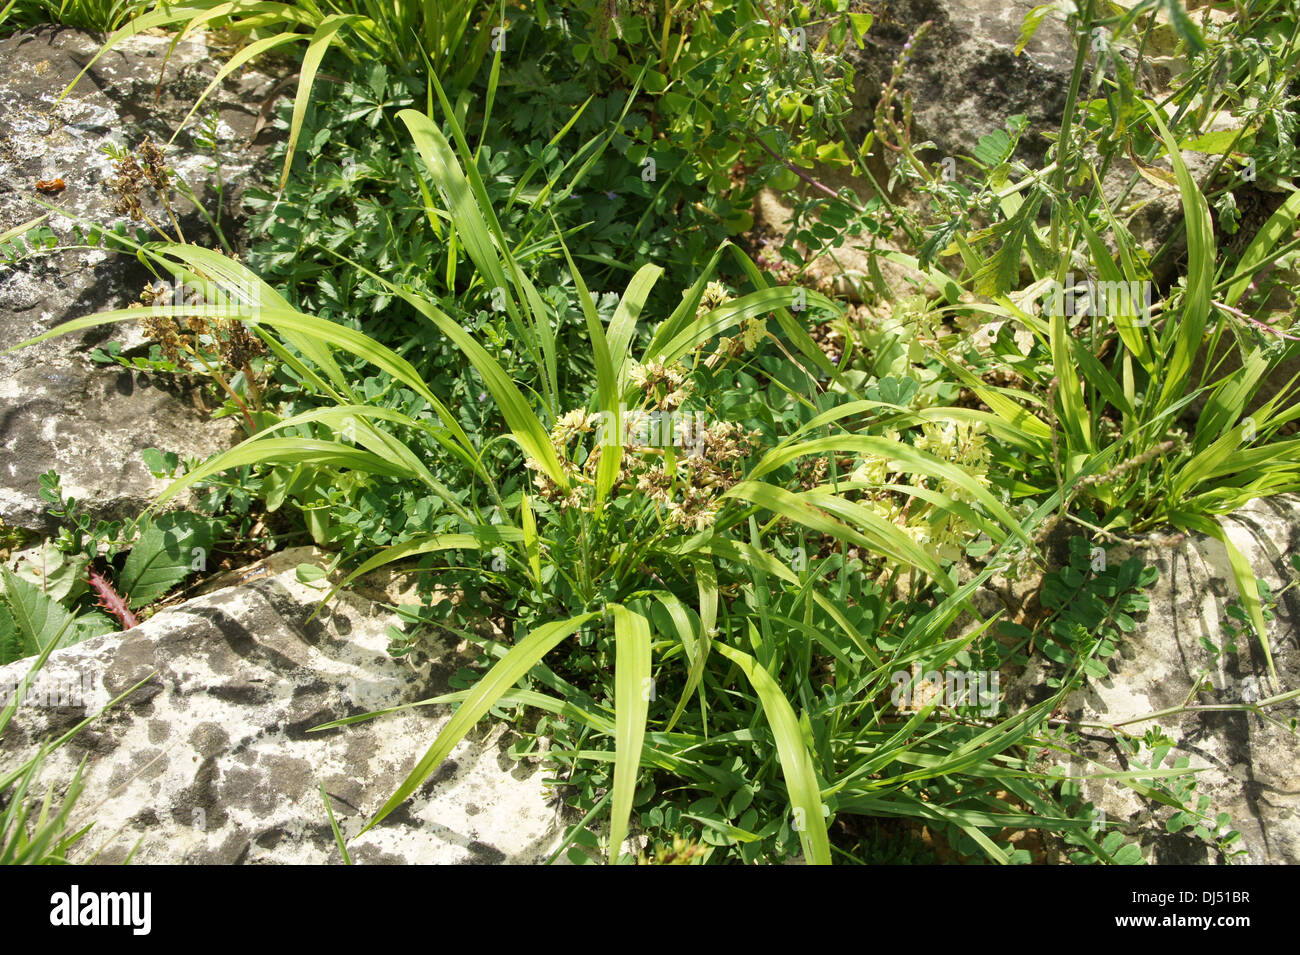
pixel 35 619
pixel 10 648
pixel 1001 272
pixel 164 556
pixel 938 242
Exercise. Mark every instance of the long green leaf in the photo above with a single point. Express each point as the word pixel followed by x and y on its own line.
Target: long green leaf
pixel 450 180
pixel 480 536
pixel 910 457
pixel 622 327
pixel 1200 269
pixel 631 706
pixel 504 675
pixel 725 316
pixel 796 761
pixel 524 425
pixel 607 390
pixel 1266 240
pixel 316 47
pixel 1248 590
pixel 865 528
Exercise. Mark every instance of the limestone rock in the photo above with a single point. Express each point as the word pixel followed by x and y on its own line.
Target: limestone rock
pixel 1252 767
pixel 57 409
pixel 967 80
pixel 964 75
pixel 212 761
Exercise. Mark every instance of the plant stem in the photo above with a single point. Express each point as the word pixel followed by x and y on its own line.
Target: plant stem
pixel 1067 115
pixel 220 379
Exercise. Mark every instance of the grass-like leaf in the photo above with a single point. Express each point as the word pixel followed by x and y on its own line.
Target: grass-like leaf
pixel 631 705
pixel 504 675
pixel 796 761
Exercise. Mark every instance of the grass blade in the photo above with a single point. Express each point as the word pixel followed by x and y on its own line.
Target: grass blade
pixel 796 761
pixel 334 827
pixel 1268 238
pixel 622 327
pixel 311 61
pixel 508 671
pixel 1200 269
pixel 631 706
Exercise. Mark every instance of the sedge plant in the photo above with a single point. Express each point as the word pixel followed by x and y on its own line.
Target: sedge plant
pixel 672 559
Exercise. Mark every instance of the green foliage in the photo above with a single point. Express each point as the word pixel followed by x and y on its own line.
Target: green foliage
pixel 32 622
pixel 1111 365
pixel 706 648
pixel 1138 399
pixel 45 599
pixel 560 155
pixel 741 95
pixel 30 834
pixel 33 829
pixel 21 242
pixel 11 538
pixel 1090 609
pixel 167 551
pixel 1193 811
pixel 1091 605
pixel 100 16
pixel 79 533
pixel 724 570
pixel 359 29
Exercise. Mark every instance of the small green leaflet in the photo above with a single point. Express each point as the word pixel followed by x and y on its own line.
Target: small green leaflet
pixel 1033 20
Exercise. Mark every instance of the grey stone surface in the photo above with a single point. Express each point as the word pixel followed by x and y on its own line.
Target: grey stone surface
pixel 57 409
pixel 967 80
pixel 964 75
pixel 211 761
pixel 1251 766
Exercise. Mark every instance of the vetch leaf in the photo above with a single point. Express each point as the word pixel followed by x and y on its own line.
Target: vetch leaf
pixel 1033 20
